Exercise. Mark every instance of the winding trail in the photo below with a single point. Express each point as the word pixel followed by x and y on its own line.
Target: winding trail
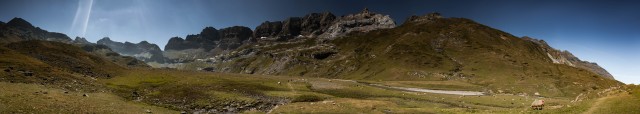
pixel 451 92
pixel 596 105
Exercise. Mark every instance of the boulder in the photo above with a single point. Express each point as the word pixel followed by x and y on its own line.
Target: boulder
pixel 537 104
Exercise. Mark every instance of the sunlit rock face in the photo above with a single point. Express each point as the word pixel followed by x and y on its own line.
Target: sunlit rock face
pixel 364 21
pixel 324 25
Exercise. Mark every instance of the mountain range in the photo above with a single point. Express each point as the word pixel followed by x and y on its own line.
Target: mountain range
pixel 366 46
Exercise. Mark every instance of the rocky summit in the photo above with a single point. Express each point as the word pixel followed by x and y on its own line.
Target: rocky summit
pixel 364 21
pixel 18 29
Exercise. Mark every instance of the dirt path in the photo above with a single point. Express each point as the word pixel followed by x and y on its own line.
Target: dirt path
pixel 451 92
pixel 430 90
pixel 596 105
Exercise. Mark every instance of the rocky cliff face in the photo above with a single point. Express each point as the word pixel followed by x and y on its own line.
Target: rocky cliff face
pixel 206 39
pixel 209 42
pixel 364 21
pixel 19 29
pixel 311 25
pixel 211 38
pixel 268 29
pixel 324 25
pixel 233 37
pixel 315 24
pixel 567 58
pixel 144 50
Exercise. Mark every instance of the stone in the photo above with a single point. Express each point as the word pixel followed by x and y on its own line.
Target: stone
pixel 27 73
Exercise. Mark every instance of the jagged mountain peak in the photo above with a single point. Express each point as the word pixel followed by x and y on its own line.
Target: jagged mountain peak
pixel 19 22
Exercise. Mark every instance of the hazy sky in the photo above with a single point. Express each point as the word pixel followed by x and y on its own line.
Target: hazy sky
pixel 605 31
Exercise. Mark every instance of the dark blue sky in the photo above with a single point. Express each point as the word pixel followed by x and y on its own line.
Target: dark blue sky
pixel 606 32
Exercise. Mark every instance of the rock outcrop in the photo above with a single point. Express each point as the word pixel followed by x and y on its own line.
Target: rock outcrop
pixel 310 25
pixel 567 58
pixel 324 25
pixel 233 37
pixel 80 41
pixel 211 38
pixel 364 21
pixel 425 18
pixel 268 29
pixel 209 42
pixel 316 23
pixel 144 50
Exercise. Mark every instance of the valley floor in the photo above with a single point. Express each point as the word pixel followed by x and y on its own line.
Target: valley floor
pixel 173 91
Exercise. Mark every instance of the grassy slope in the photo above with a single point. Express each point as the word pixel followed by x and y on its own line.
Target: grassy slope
pixel 31 98
pixel 58 68
pixel 620 103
